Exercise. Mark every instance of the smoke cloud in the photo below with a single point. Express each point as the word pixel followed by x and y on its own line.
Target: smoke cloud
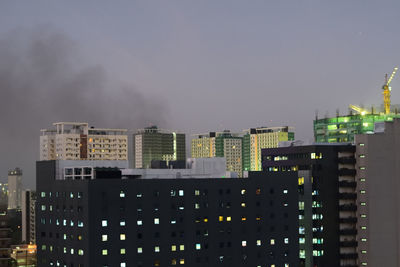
pixel 45 79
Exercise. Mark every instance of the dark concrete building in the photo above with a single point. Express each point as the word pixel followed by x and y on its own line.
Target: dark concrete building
pixel 327 200
pixel 109 220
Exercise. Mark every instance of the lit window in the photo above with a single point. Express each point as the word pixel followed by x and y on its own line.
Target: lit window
pixel 363 251
pixel 104 252
pixel 123 264
pixel 140 250
pixel 122 237
pixel 243 205
pixel 182 247
pixel 173 193
pixel 258 243
pixel 156 221
pixel 285 191
pixel 198 246
pixel 181 193
pixel 258 191
pixel 122 194
pixel 221 218
pixel 122 223
pixel 243 191
pixel 196 206
pixel 272 241
pixel 72 251
pixel 43 207
pixel 173 248
pixel 301 180
pixel 361 144
pixel 65 236
pixel 122 251
pixel 104 223
pixel 244 219
pixel 104 237
pixel 197 192
pixel 182 261
pixel 228 219
pixel 363 240
pixel 80 252
pixel 156 249
pixel 244 243
pixel 362 191
pixel 286 240
pixel 139 195
pixel 139 222
pixel 363 227
pixel 205 219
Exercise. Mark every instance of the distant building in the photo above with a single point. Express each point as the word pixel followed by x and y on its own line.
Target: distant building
pixel 14 188
pixel 5 240
pixel 123 220
pixel 256 139
pixel 24 255
pixel 76 141
pixel 327 200
pixel 220 144
pixel 153 144
pixel 28 217
pixel 378 161
pixel 3 195
pixel 344 128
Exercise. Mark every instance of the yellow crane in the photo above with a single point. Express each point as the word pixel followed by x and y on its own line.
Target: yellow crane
pixel 386 91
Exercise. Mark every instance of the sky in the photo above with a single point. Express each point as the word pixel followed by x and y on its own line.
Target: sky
pixel 191 66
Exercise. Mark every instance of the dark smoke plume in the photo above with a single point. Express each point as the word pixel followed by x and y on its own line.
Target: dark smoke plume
pixel 44 79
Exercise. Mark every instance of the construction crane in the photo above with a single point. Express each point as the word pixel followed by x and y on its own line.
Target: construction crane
pixel 386 91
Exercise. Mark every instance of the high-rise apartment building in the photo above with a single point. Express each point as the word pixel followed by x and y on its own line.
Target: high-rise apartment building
pixel 5 240
pixel 327 200
pixel 14 188
pixel 344 128
pixel 378 161
pixel 78 141
pixel 120 219
pixel 28 216
pixel 220 144
pixel 24 255
pixel 256 139
pixel 153 144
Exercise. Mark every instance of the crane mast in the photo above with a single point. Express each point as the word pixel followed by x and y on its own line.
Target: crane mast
pixel 386 91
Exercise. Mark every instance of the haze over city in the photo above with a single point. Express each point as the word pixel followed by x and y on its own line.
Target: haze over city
pixel 191 66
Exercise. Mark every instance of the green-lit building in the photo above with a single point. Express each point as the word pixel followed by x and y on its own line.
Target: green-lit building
pixel 152 143
pixel 343 128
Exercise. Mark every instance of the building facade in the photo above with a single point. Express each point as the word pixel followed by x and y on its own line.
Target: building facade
pixel 344 128
pixel 220 144
pixel 378 161
pixel 109 221
pixel 14 188
pixel 24 255
pixel 5 240
pixel 28 217
pixel 153 144
pixel 256 139
pixel 78 141
pixel 327 200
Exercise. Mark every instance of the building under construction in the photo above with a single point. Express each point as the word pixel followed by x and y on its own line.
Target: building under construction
pixel 359 121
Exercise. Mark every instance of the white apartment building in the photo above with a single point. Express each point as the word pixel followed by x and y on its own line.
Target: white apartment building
pixel 14 188
pixel 76 141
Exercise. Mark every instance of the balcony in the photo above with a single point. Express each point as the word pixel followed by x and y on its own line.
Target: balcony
pixel 349 256
pixel 347 172
pixel 348 220
pixel 348 207
pixel 347 184
pixel 347 196
pixel 347 160
pixel 348 232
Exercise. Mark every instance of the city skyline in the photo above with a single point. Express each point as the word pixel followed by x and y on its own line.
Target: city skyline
pixel 193 67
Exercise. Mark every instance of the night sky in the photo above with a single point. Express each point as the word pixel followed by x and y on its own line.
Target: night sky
pixel 191 66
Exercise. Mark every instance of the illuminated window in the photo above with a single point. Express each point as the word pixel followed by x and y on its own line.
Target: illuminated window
pixel 104 223
pixel 122 251
pixel 122 194
pixel 285 191
pixel 156 249
pixel 123 264
pixel 243 191
pixel 80 252
pixel 363 216
pixel 173 248
pixel 272 242
pixel 286 240
pixel 221 218
pixel 362 191
pixel 182 247
pixel 301 180
pixel 362 168
pixel 196 206
pixel 244 243
pixel 243 204
pixel 362 179
pixel 363 240
pixel 228 219
pixel 139 222
pixel 363 227
pixel 244 219
pixel 205 219
pixel 182 261
pixel 122 237
pixel 258 243
pixel 361 144
pixel 198 246
pixel 181 193
pixel 140 250
pixel 104 252
pixel 363 251
pixel 104 238
pixel 258 191
pixel 156 221
pixel 197 192
pixel 122 223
